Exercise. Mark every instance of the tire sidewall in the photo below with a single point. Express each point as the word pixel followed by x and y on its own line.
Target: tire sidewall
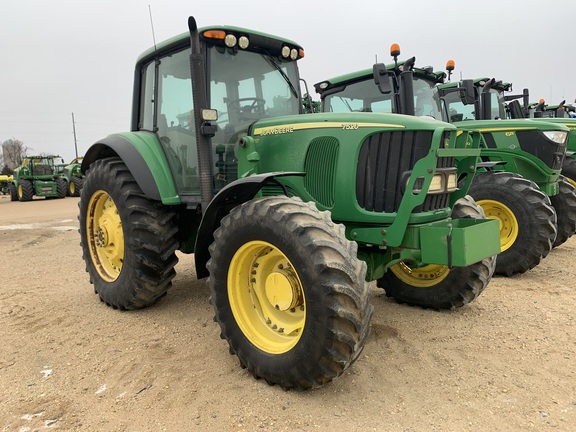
pixel 110 292
pixel 316 323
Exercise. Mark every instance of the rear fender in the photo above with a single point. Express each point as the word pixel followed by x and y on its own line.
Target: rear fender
pixel 234 194
pixel 143 155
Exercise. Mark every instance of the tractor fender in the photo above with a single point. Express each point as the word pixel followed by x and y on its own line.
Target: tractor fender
pixel 143 155
pixel 232 195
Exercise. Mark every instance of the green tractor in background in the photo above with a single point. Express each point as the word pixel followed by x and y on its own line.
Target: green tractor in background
pixel 562 113
pixel 72 174
pixel 512 154
pixel 520 149
pixel 5 181
pixel 37 176
pixel 289 216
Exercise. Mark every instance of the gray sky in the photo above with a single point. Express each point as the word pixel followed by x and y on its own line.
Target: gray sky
pixel 64 56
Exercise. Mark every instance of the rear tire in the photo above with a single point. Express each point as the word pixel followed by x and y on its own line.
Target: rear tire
pixel 75 186
pixel 289 292
pixel 61 187
pixel 565 205
pixel 13 192
pixel 527 219
pixel 569 170
pixel 128 240
pixel 25 190
pixel 436 286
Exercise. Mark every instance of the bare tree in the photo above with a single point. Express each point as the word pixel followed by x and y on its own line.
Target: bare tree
pixel 13 152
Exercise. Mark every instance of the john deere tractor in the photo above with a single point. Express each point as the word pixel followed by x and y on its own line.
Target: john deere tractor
pixel 5 181
pixel 562 113
pixel 289 215
pixel 508 148
pixel 73 176
pixel 520 149
pixel 37 176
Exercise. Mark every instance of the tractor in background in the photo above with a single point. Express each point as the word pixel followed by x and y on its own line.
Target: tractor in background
pixel 37 176
pixel 527 219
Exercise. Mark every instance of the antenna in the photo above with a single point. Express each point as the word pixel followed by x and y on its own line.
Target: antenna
pixel 152 25
pixel 74 130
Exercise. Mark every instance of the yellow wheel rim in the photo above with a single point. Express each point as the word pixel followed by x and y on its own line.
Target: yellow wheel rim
pixel 105 236
pixel 572 182
pixel 71 188
pixel 20 192
pixel 266 297
pixel 508 222
pixel 423 277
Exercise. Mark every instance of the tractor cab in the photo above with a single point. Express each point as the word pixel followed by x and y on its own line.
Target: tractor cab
pixel 249 76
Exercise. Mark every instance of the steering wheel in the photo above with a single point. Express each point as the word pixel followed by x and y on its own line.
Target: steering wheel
pixel 257 105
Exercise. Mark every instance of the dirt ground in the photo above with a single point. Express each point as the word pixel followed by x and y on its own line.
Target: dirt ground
pixel 503 363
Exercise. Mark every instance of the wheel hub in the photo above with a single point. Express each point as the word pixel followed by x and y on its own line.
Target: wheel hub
pixel 266 297
pixel 282 290
pixel 106 236
pixel 101 237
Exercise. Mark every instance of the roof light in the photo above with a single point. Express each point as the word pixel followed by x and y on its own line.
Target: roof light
pixel 243 42
pixel 301 54
pixel 285 51
pixel 450 65
pixel 215 34
pixel 324 85
pixel 230 40
pixel 293 53
pixel 395 50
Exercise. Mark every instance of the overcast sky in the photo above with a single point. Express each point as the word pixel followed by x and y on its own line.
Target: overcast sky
pixel 60 57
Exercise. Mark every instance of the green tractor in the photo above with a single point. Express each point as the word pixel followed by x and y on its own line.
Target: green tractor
pixel 37 176
pixel 73 176
pixel 562 113
pixel 5 181
pixel 289 216
pixel 533 149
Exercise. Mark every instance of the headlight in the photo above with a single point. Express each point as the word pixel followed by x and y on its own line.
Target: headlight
pixel 556 136
pixel 230 40
pixel 243 42
pixel 444 181
pixel 436 184
pixel 451 183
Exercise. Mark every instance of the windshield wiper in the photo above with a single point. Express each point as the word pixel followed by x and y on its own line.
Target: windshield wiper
pixel 279 69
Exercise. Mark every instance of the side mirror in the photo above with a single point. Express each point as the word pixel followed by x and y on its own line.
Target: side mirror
pixel 515 110
pixel 382 78
pixel 466 92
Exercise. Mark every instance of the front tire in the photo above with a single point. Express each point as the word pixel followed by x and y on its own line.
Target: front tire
pixel 527 219
pixel 25 190
pixel 128 240
pixel 564 202
pixel 289 292
pixel 436 286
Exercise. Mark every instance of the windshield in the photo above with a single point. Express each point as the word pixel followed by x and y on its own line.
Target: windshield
pixel 361 96
pixel 426 99
pixel 364 96
pixel 498 109
pixel 458 111
pixel 247 86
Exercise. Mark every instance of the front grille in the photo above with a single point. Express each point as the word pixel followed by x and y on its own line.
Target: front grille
pixel 536 143
pixel 384 164
pixel 320 167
